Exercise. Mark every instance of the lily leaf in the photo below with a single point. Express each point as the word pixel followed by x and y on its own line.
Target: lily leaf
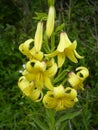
pixel 67 117
pixel 40 16
pixel 59 28
pixel 40 123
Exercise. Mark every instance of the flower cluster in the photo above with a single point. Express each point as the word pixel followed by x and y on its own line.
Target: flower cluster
pixel 42 68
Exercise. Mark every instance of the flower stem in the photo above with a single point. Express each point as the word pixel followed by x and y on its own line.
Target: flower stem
pixel 51 119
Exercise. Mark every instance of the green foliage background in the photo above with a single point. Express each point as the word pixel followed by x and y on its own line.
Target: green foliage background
pixel 17 25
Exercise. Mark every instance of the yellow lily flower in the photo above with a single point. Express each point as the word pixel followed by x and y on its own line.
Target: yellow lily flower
pixel 50 21
pixel 60 98
pixel 76 80
pixel 28 89
pixel 65 49
pixel 41 73
pixel 32 50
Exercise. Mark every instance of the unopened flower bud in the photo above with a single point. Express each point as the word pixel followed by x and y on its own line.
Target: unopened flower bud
pixel 38 37
pixel 50 21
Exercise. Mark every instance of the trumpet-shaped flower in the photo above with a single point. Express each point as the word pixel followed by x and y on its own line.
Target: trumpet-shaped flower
pixel 40 73
pixel 76 80
pixel 60 98
pixel 50 21
pixel 32 50
pixel 28 89
pixel 65 49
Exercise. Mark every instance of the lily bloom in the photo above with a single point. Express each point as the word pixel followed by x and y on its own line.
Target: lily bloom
pixel 50 21
pixel 76 80
pixel 60 98
pixel 65 49
pixel 41 73
pixel 33 50
pixel 28 89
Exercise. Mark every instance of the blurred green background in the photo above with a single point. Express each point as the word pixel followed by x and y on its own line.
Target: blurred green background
pixel 16 26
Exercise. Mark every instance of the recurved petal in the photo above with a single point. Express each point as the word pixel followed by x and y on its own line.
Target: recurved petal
pixel 77 55
pixel 52 70
pixel 68 104
pixel 82 72
pixel 49 101
pixel 30 66
pixel 25 86
pixel 24 47
pixel 36 95
pixel 71 93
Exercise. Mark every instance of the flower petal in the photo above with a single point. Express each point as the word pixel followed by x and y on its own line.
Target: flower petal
pixel 61 59
pixel 24 47
pixel 26 86
pixel 62 44
pixel 74 80
pixel 71 56
pixel 51 71
pixel 29 76
pixel 59 92
pixel 49 101
pixel 67 41
pixel 70 93
pixel 40 66
pixel 77 55
pixel 82 72
pixel 36 55
pixel 53 54
pixel 48 83
pixel 73 45
pixel 36 95
pixel 30 66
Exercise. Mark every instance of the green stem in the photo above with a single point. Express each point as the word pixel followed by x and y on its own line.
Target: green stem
pixel 52 126
pixel 51 118
pixel 52 42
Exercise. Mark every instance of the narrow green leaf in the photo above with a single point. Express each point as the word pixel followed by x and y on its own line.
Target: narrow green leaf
pixel 59 28
pixel 60 77
pixel 40 123
pixel 67 116
pixel 40 16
